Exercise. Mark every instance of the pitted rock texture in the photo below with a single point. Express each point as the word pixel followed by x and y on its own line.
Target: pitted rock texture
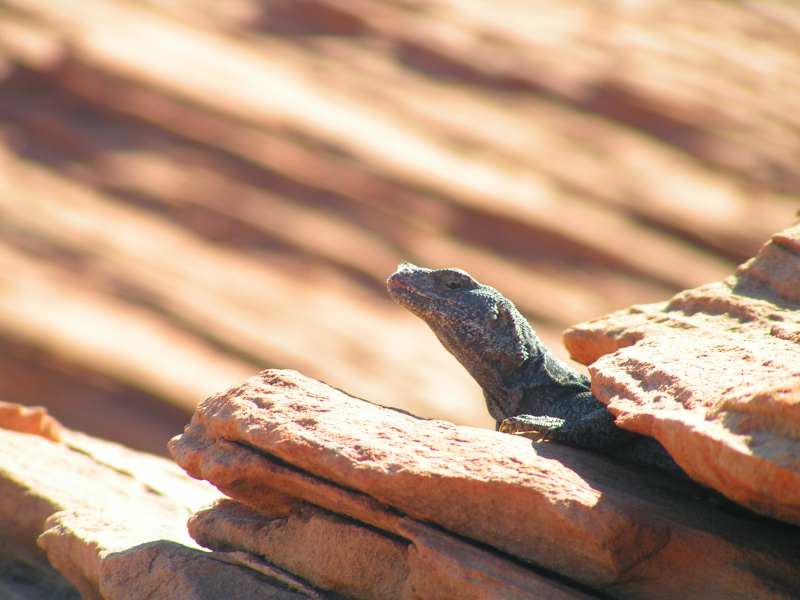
pixel 333 551
pixel 627 532
pixel 166 569
pixel 714 375
pixel 351 558
pixel 91 519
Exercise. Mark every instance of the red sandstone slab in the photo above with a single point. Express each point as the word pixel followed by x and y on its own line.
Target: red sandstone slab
pixel 565 510
pixel 109 519
pixel 714 375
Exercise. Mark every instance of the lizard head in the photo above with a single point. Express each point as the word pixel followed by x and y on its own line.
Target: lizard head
pixel 477 324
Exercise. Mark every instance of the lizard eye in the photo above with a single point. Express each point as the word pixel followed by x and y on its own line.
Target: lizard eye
pixel 453 279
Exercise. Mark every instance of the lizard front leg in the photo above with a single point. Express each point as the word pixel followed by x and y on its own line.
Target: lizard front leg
pixel 595 431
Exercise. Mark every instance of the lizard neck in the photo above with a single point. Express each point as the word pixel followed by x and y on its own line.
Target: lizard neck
pixel 507 384
pixel 496 366
pixel 504 372
pixel 548 371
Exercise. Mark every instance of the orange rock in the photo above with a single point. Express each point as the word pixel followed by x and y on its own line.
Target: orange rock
pixel 167 570
pixel 109 521
pixel 29 419
pixel 353 559
pixel 336 553
pixel 568 511
pixel 714 375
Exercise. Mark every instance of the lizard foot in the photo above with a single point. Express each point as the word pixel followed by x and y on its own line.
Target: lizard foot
pixel 538 429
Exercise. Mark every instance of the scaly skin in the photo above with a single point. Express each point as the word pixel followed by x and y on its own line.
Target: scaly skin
pixel 527 389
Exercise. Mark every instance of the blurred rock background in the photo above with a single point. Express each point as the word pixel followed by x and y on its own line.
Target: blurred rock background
pixel 191 190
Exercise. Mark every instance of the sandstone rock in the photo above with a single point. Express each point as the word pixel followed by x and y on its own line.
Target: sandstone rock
pixel 359 561
pixel 336 553
pixel 714 375
pixel 604 525
pixel 110 520
pixel 29 419
pixel 24 570
pixel 164 569
pixel 456 568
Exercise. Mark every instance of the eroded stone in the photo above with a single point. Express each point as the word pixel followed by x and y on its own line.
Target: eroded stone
pixel 714 375
pixel 336 553
pixel 431 470
pixel 170 571
pixel 110 520
pixel 568 511
pixel 352 558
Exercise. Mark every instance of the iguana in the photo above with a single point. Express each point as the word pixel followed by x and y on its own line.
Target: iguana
pixel 527 390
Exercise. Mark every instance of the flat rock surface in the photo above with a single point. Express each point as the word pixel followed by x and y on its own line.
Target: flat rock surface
pixel 569 512
pixel 714 375
pixel 110 520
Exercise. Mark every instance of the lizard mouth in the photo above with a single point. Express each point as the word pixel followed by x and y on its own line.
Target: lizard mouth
pixel 400 289
pixel 404 292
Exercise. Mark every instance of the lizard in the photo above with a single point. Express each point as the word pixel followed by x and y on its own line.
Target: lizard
pixel 527 390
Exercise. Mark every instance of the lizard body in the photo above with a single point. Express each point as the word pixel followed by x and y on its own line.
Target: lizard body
pixel 527 390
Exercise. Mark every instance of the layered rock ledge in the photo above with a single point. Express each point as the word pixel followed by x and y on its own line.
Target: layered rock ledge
pixel 434 507
pixel 85 518
pixel 714 375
